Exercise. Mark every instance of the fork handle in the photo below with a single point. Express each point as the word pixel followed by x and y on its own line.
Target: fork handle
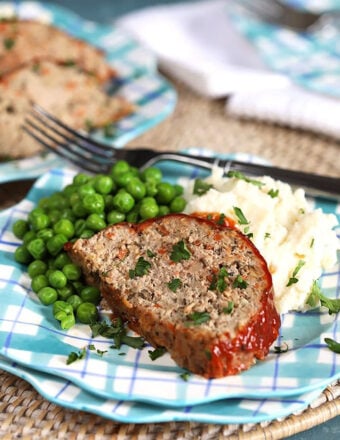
pixel 315 184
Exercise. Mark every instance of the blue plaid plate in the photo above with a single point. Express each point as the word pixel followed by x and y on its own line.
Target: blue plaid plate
pixel 137 81
pixel 30 336
pixel 236 411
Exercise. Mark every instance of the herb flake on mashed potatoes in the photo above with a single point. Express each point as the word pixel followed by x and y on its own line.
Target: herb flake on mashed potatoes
pixel 297 241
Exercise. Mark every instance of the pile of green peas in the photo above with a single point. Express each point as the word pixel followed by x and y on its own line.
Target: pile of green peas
pixel 81 209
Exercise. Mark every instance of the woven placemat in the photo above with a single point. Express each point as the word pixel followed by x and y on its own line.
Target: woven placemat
pixel 196 122
pixel 25 414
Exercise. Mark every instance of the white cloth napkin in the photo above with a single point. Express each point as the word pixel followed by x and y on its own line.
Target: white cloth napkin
pixel 198 43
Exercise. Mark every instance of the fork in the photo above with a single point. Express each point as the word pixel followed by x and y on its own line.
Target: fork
pixel 281 13
pixel 96 157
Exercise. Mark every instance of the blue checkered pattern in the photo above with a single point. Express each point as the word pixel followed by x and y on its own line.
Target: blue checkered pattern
pixel 235 411
pixel 31 337
pixel 311 59
pixel 138 81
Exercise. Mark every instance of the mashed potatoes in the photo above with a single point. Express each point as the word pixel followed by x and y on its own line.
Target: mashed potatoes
pixel 297 241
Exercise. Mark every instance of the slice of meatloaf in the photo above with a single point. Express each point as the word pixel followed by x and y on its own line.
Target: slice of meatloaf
pixel 23 41
pixel 199 289
pixel 66 92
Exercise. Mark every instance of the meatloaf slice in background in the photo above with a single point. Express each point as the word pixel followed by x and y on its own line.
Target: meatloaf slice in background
pixel 199 289
pixel 66 92
pixel 23 41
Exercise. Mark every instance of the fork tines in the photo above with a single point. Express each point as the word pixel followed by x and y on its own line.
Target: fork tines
pixel 61 139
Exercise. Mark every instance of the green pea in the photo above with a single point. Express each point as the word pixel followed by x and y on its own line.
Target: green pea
pixel 74 301
pixel 54 215
pixel 163 210
pixel 123 179
pixel 178 204
pixel 61 260
pixel 38 282
pixel 44 203
pixel 57 279
pixel 78 209
pixel 29 236
pixel 45 234
pixel 78 286
pixel 90 294
pixel 36 267
pixel 123 202
pixel 85 190
pixel 64 227
pixel 58 201
pixel 103 184
pixel 56 243
pixel 87 233
pixel 47 295
pixel 87 313
pixel 121 166
pixel 148 208
pixel 133 215
pixel 165 193
pixel 65 292
pixel 152 174
pixel 37 248
pixel 67 322
pixel 114 217
pixel 69 190
pixel 94 203
pixel 68 214
pixel 21 255
pixel 178 189
pixel 62 307
pixel 72 271
pixel 108 198
pixel 80 179
pixel 95 222
pixel 151 188
pixel 136 188
pixel 20 227
pixel 35 213
pixel 79 226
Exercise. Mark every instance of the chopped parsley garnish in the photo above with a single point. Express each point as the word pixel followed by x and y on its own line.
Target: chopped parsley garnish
pixel 311 243
pixel 109 130
pixel 273 193
pixel 229 309
pixel 150 254
pixel 185 376
pixel 218 282
pixel 208 354
pixel 240 282
pixel 281 348
pixel 75 356
pixel 197 318
pixel 333 345
pixel 267 235
pixel 241 176
pixel 293 279
pixel 69 63
pixel 8 43
pixel 201 187
pixel 141 269
pixel 240 216
pixel 156 353
pixel 179 252
pixel 221 219
pixel 117 332
pixel 316 295
pixel 174 284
